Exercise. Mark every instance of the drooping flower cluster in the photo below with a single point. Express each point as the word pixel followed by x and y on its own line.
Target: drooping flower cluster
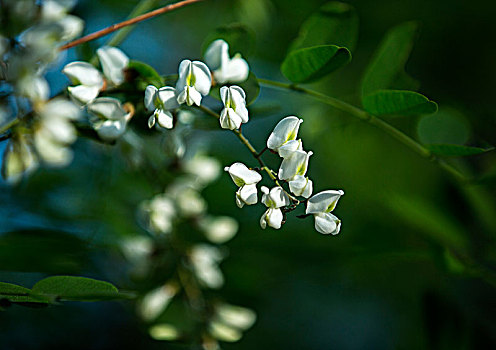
pixel 44 129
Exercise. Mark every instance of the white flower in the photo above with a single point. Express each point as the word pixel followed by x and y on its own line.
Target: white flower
pixel 55 131
pixel 190 203
pixel 225 69
pixel 219 229
pixel 87 79
pixel 295 164
pixel 108 117
pixel 159 213
pixel 205 261
pixel 56 9
pixel 194 81
pixel 284 132
pixel 301 186
pixel 33 87
pixel 156 301
pixel 234 112
pixel 205 169
pixel 246 180
pixel 229 321
pixel 160 101
pixel 321 205
pixel 273 199
pixel 18 159
pixel 113 62
pixel 72 27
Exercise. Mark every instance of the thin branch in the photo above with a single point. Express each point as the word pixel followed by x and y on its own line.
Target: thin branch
pixel 128 22
pixel 372 120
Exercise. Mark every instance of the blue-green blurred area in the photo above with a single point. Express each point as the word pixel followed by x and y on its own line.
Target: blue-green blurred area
pixel 413 264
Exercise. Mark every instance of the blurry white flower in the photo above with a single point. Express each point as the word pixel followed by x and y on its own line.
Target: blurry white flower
pixel 56 9
pixel 108 117
pixel 72 27
pixel 136 249
pixel 224 68
pixel 246 179
pixel 113 62
pixel 194 81
pixel 160 101
pixel 33 87
pixel 55 131
pixel 284 132
pixel 164 331
pixel 156 301
pixel 18 159
pixel 205 261
pixel 87 79
pixel 206 169
pixel 234 112
pixel 273 199
pixel 160 213
pixel 219 229
pixel 229 321
pixel 321 205
pixel 42 41
pixel 190 203
pixel 295 164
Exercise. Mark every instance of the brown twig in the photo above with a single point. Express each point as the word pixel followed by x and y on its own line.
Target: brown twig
pixel 128 22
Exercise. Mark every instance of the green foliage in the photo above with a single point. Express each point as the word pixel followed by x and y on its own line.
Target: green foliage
pixel 240 38
pixel 386 70
pixel 333 23
pixel 313 63
pixel 145 74
pixel 17 294
pixel 250 86
pixel 76 288
pixel 450 150
pixel 445 127
pixel 46 251
pixel 384 102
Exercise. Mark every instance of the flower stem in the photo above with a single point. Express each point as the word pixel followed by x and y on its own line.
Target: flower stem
pixel 253 151
pixel 372 120
pixel 127 22
pixel 9 125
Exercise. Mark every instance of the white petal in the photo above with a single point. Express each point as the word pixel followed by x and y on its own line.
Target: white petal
pixel 326 223
pixel 72 27
pixel 224 95
pixel 167 96
pixel 60 108
pixel 164 118
pixel 214 53
pixel 151 121
pixel 219 229
pixel 110 130
pixel 238 98
pixel 323 202
pixel 113 63
pixel 285 130
pixel 107 108
pixel 241 175
pixel 248 194
pixel 229 119
pixel 276 198
pixel 18 159
pixel 273 217
pixel 235 316
pixel 55 9
pixel 184 68
pixel 51 151
pixel 236 70
pixel 301 186
pixel 83 94
pixel 263 220
pixel 203 77
pixel 296 164
pixel 149 102
pixel 34 87
pixel 83 73
pixel 287 149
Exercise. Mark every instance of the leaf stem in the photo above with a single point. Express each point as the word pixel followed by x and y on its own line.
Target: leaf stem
pixel 372 120
pixel 128 22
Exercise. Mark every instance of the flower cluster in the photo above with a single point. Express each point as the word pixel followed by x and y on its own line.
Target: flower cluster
pixel 30 38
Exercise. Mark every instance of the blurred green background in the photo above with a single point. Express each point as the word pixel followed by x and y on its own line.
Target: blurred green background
pixel 386 281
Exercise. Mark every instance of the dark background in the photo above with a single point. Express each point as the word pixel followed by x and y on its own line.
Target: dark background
pixel 385 282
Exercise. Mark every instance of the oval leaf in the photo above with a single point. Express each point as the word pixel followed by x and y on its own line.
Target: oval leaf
pixel 76 288
pixel 313 63
pixel 144 72
pixel 18 294
pixel 456 150
pixel 334 23
pixel 385 102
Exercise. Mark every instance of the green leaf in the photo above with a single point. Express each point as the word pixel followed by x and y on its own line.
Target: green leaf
pixel 18 294
pixel 447 126
pixel 384 102
pixel 239 37
pixel 250 86
pixel 386 70
pixel 144 72
pixel 313 63
pixel 76 288
pixel 334 23
pixel 449 150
